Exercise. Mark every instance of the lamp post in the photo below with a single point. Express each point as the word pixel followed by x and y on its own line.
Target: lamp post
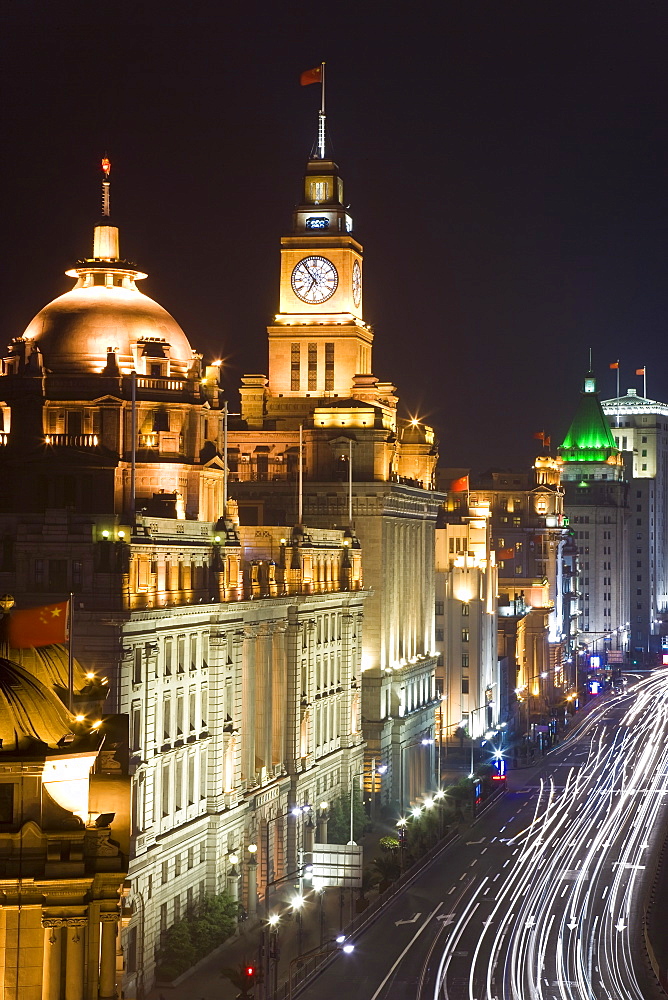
pixel 297 904
pixel 376 769
pixel 273 955
pixel 233 879
pixel 252 880
pixel 424 741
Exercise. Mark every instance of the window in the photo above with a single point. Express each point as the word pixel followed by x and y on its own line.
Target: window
pixel 136 665
pixel 135 735
pixel 329 367
pixel 202 852
pixel 77 574
pixel 177 909
pixel 163 918
pixel 165 872
pixel 465 685
pixel 439 635
pixel 191 857
pixel 179 714
pixel 465 609
pixel 294 366
pixel 178 782
pixel 205 707
pixel 465 635
pixel 168 657
pixel 312 367
pixel 167 720
pixel 465 661
pixel 181 654
pixel 644 453
pixel 165 788
pixel 438 608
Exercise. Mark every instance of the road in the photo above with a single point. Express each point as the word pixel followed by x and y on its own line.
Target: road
pixel 542 900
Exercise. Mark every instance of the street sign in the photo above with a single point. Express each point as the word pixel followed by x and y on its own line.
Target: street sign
pixel 337 864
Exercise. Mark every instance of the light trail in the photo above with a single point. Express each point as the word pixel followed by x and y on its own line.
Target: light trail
pixel 561 923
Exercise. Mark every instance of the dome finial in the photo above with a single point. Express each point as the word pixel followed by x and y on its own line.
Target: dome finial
pixel 106 184
pixel 105 237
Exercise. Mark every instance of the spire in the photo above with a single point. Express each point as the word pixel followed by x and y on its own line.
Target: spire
pixel 105 237
pixel 589 438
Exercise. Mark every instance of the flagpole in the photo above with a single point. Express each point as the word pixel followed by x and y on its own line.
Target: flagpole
pixel 133 453
pixel 618 393
pixel 322 88
pixel 350 481
pixel 70 653
pixel 301 474
pixel 644 381
pixel 225 460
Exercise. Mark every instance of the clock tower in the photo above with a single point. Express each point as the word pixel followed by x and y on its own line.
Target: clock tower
pixel 319 341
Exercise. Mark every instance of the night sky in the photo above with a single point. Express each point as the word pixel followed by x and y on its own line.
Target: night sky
pixel 505 163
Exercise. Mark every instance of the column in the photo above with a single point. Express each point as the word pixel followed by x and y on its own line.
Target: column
pixel 108 956
pixel 248 706
pixel 74 963
pixel 51 969
pixel 278 693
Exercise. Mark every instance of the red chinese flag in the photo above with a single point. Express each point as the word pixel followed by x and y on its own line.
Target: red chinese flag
pixel 640 371
pixel 459 485
pixel 539 435
pixel 43 626
pixel 311 76
pixel 614 364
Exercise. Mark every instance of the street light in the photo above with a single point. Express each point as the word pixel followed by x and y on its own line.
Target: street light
pixel 297 903
pixel 422 742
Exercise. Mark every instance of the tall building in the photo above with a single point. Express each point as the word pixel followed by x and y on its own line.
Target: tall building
pixel 466 619
pixel 597 505
pixel 361 464
pixel 235 652
pixel 533 614
pixel 640 430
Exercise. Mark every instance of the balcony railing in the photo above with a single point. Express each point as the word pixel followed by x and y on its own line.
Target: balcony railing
pixel 164 384
pixel 73 440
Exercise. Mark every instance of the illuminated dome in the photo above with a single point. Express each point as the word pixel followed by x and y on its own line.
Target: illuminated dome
pixel 76 330
pixel 105 314
pixel 29 711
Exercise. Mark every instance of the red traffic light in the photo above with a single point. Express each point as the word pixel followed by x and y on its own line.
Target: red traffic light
pixel 250 971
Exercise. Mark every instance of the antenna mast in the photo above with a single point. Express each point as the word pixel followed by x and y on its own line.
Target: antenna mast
pixel 321 114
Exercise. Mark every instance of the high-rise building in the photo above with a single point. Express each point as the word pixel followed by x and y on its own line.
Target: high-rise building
pixel 597 505
pixel 640 430
pixel 320 439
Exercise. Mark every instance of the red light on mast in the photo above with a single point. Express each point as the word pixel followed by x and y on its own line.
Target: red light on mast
pixel 250 971
pixel 106 166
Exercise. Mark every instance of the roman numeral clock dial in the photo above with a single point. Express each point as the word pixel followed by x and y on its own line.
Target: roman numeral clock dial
pixel 314 279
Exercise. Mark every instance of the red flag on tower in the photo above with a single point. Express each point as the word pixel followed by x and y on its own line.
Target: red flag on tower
pixel 640 371
pixel 44 626
pixel 311 76
pixel 614 364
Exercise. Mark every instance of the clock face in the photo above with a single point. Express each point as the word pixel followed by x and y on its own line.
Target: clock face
pixel 314 279
pixel 357 284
